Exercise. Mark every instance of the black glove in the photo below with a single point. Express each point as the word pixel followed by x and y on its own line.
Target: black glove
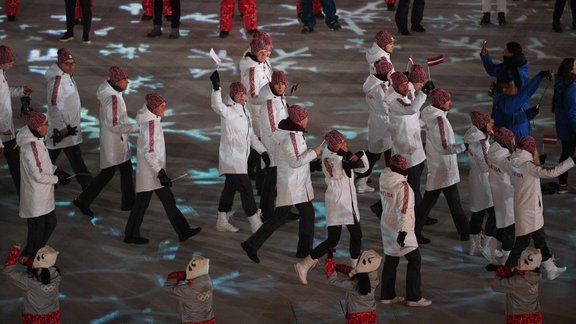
pixel 215 78
pixel 266 158
pixel 490 267
pixel 25 100
pixel 466 145
pixel 533 111
pixel 427 87
pixel 164 179
pixel 63 177
pixel 316 165
pixel 72 131
pixel 545 75
pixel 401 237
pixel 57 136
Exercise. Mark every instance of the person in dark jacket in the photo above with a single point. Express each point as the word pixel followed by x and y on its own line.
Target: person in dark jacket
pixel 514 64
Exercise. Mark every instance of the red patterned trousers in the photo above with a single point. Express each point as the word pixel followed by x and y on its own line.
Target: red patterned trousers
pixel 532 318
pixel 50 318
pixel 12 7
pixel 361 318
pixel 148 7
pixel 316 7
pixel 390 1
pixel 78 10
pixel 210 321
pixel 246 7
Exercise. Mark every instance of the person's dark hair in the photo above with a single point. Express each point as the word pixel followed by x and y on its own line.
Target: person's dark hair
pixel 363 287
pixel 503 81
pixel 565 70
pixel 514 48
pixel 42 274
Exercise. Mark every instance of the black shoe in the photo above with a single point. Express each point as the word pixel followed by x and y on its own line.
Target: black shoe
pixel 83 208
pixel 465 237
pixel 430 221
pixel 391 7
pixel 66 37
pixel 335 26
pixel 146 17
pixel 168 18
pixel 501 19
pixel 224 34
pixel 418 29
pixel 319 16
pixel 136 240
pixel 422 240
pixel 557 27
pixel 250 251
pixel 404 31
pixel 189 233
pixel 11 18
pixel 307 29
pixel 377 209
pixel 86 40
pixel 485 19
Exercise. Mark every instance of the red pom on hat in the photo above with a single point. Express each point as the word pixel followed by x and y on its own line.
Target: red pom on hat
pixel 116 74
pixel 235 88
pixel 440 97
pixel 398 78
pixel 278 77
pixel 382 66
pixel 480 120
pixel 398 162
pixel 34 119
pixel 504 137
pixel 384 38
pixel 64 55
pixel 297 113
pixel 527 143
pixel 260 41
pixel 334 137
pixel 6 55
pixel 417 74
pixel 154 100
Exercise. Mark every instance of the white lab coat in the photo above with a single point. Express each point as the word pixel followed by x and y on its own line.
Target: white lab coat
pixel 6 122
pixel 379 139
pixel 151 156
pixel 480 194
pixel 273 109
pixel 254 76
pixel 500 185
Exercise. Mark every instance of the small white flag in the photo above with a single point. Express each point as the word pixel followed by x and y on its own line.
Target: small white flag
pixel 215 57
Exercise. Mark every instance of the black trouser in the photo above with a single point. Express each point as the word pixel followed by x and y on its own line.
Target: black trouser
pixel 305 230
pixel 413 281
pixel 452 198
pixel 175 5
pixel 413 180
pixel 372 159
pixel 559 9
pixel 143 200
pixel 268 196
pixel 477 219
pixel 126 185
pixel 242 184
pixel 13 161
pixel 76 162
pixel 568 149
pixel 522 242
pixel 506 236
pixel 402 13
pixel 334 237
pixel 39 231
pixel 86 16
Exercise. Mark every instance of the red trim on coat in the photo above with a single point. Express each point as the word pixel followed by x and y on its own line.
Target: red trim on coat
pixel 50 318
pixel 484 151
pixel 402 102
pixel 294 144
pixel 114 110
pixel 54 97
pixel 361 318
pixel 406 188
pixel 210 321
pixel 151 136
pixel 35 151
pixel 532 318
pixel 384 87
pixel 442 132
pixel 252 86
pixel 327 166
pixel 270 109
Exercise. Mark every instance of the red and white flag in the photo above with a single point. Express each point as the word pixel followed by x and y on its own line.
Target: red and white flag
pixel 435 60
pixel 550 139
pixel 411 60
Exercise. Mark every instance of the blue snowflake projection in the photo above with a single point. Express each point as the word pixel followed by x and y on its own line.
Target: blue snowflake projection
pixel 227 64
pixel 140 82
pixel 352 133
pixel 284 61
pixel 201 134
pixel 167 252
pixel 90 124
pixel 200 17
pixel 208 177
pixel 43 56
pixel 356 43
pixel 127 52
pixel 133 8
pixel 368 14
pixel 103 31
pixel 186 209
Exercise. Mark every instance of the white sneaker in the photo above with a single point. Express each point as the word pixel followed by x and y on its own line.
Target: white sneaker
pixel 395 300
pixel 423 302
pixel 363 187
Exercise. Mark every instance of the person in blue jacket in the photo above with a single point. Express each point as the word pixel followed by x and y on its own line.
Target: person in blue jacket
pixel 511 104
pixel 514 64
pixel 564 107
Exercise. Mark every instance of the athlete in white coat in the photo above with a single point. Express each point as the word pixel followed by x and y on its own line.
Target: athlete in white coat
pixel 481 202
pixel 7 132
pixel 273 109
pixel 38 177
pixel 443 175
pixel 383 46
pixel 114 143
pixel 64 115
pixel 151 175
pixel 294 185
pixel 528 203
pixel 375 89
pixel 339 165
pixel 398 237
pixel 235 142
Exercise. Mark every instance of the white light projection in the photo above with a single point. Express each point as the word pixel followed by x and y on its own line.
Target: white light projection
pixel 142 82
pixel 227 64
pixel 126 52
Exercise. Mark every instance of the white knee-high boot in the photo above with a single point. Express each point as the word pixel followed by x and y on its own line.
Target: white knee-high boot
pixel 302 268
pixel 255 221
pixel 223 225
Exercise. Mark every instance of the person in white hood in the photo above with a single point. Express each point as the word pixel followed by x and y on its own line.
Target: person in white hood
pixel 398 237
pixel 294 185
pixel 481 202
pixel 528 204
pixel 382 47
pixel 38 177
pixel 235 142
pixel 64 115
pixel 443 175
pixel 151 174
pixel 376 88
pixel 340 200
pixel 114 143
pixel 7 131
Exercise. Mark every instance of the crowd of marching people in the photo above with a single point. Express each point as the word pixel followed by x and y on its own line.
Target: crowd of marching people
pixel 505 197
